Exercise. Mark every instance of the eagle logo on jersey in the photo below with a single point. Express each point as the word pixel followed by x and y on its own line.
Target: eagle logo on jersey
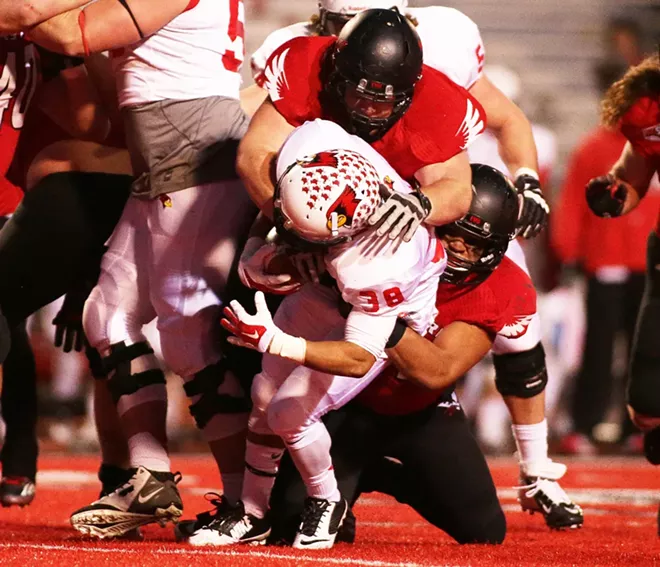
pixel 471 126
pixel 652 133
pixel 322 159
pixel 518 328
pixel 344 207
pixel 276 83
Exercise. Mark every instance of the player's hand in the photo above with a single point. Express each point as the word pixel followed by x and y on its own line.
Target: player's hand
pixel 250 331
pixel 252 269
pixel 309 265
pixel 534 209
pixel 401 213
pixel 606 196
pixel 69 332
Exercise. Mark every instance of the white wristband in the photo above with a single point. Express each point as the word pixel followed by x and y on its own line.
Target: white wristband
pixel 288 346
pixel 526 171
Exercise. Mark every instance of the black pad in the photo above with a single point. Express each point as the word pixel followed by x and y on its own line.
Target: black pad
pixel 521 374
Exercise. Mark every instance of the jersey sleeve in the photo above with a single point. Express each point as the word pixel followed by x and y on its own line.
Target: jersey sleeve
pixel 445 120
pixel 291 77
pixel 271 43
pixel 452 43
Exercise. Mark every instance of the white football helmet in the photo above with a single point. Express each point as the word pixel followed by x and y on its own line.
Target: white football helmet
pixel 326 198
pixel 352 7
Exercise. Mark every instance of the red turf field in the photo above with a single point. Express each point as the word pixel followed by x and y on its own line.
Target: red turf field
pixel 620 499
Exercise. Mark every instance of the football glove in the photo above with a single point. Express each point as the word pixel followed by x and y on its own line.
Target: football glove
pixel 250 331
pixel 252 265
pixel 400 214
pixel 606 196
pixel 69 334
pixel 534 209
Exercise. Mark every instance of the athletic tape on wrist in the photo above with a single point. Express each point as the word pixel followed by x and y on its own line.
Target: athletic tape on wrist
pixel 526 171
pixel 287 346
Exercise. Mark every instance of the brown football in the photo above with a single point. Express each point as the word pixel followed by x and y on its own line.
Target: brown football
pixel 280 263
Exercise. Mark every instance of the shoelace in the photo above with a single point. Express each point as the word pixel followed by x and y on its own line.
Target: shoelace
pixel 313 514
pixel 217 501
pixel 549 488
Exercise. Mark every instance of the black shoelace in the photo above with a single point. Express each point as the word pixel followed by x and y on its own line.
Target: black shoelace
pixel 313 514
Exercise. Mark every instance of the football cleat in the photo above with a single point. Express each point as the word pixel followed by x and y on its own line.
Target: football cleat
pixel 320 522
pixel 542 493
pixel 147 497
pixel 16 491
pixel 231 526
pixel 186 528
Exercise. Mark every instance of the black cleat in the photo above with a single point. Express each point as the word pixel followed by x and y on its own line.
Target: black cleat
pixel 147 497
pixel 231 526
pixel 16 491
pixel 321 520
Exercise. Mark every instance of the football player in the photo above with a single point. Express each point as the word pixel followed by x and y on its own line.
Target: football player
pixel 408 413
pixel 632 104
pixel 451 44
pixel 329 183
pixel 177 70
pixel 364 80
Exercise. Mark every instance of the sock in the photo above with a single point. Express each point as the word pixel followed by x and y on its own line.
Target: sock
pixel 232 486
pixel 532 442
pixel 261 466
pixel 310 451
pixel 147 452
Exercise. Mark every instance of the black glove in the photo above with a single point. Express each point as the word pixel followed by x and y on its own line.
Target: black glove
pixel 533 216
pixel 68 322
pixel 401 213
pixel 606 196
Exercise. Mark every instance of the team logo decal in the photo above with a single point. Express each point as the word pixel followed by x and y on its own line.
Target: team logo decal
pixel 518 328
pixel 344 207
pixel 322 159
pixel 652 133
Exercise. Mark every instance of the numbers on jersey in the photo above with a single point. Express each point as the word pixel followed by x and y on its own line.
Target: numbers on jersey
pixel 18 86
pixel 391 297
pixel 232 59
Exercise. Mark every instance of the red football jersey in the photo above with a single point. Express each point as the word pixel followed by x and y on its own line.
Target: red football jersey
pixel 19 75
pixel 503 303
pixel 641 125
pixel 442 120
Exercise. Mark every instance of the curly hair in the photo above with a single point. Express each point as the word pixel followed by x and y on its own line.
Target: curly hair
pixel 639 81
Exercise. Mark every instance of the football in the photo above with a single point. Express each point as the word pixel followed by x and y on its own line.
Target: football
pixel 280 263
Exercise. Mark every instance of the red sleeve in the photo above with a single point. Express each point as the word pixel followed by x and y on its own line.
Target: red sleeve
pixel 443 120
pixel 514 298
pixel 292 78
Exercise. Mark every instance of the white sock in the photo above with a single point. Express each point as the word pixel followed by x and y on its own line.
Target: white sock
pixel 261 466
pixel 532 442
pixel 147 452
pixel 310 451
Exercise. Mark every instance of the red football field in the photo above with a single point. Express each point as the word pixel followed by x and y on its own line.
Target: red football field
pixel 619 496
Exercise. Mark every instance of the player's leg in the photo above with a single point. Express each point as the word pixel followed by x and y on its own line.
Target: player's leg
pixel 195 234
pixel 447 482
pixel 521 378
pixel 114 314
pixel 644 380
pixel 19 411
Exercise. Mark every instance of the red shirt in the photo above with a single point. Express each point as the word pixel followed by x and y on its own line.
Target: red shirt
pixel 502 304
pixel 441 121
pixel 641 125
pixel 19 75
pixel 579 236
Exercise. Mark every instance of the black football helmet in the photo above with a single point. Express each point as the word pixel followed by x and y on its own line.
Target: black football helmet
pixel 489 224
pixel 378 56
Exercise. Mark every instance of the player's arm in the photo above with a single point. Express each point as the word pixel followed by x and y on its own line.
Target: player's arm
pixel 438 364
pixel 104 25
pixel 257 154
pixel 448 187
pixel 19 15
pixel 259 332
pixel 621 190
pixel 251 99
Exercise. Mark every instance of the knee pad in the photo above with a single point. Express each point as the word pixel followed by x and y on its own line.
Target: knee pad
pixel 206 385
pixel 521 374
pixel 123 381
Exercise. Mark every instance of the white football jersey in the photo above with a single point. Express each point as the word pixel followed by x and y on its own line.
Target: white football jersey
pixel 382 279
pixel 451 42
pixel 197 55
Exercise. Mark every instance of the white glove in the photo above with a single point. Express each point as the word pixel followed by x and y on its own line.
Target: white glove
pixel 401 213
pixel 259 332
pixel 252 266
